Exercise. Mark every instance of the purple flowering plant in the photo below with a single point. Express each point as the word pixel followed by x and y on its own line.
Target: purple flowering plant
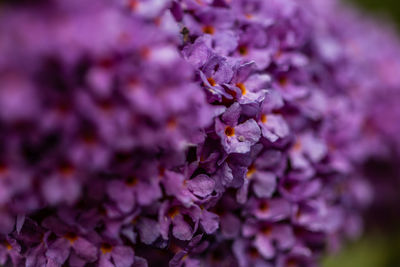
pixel 189 132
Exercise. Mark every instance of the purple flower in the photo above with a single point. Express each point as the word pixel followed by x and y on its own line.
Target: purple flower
pixel 269 209
pixel 299 190
pixel 118 256
pixel 264 184
pixel 201 185
pixel 174 215
pixel 194 132
pixel 252 86
pixel 247 254
pixel 273 127
pixel 269 238
pixel 127 193
pixel 69 241
pixel 10 249
pixel 238 138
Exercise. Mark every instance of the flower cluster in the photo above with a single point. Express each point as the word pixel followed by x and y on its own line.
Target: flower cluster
pixel 187 132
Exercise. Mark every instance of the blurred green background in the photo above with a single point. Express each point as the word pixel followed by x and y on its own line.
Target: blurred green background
pixel 375 249
pixel 389 9
pixel 380 245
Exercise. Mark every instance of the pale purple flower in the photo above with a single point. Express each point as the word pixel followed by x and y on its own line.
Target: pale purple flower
pixel 189 132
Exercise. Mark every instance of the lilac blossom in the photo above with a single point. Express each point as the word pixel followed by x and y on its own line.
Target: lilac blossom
pixel 189 132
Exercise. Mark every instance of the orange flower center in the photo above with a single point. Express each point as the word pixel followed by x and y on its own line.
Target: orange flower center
pixel 89 138
pixel 131 181
pixel 266 230
pixel 173 212
pixel 185 257
pixel 243 50
pixel 208 29
pixel 291 263
pixel 106 105
pixel 7 245
pixel 250 171
pixel 283 81
pixel 278 54
pixel 134 220
pixel 263 206
pixel 106 248
pixel 253 252
pixel 298 214
pixel 211 81
pixel 297 146
pixel 71 237
pixel 66 169
pixel 242 88
pixel 172 123
pixel 264 118
pixel 229 131
pixel 161 171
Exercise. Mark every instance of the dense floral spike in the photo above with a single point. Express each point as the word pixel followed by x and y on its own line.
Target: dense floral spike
pixel 194 132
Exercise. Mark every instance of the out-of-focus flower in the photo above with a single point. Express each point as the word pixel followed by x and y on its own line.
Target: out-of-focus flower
pixel 215 133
